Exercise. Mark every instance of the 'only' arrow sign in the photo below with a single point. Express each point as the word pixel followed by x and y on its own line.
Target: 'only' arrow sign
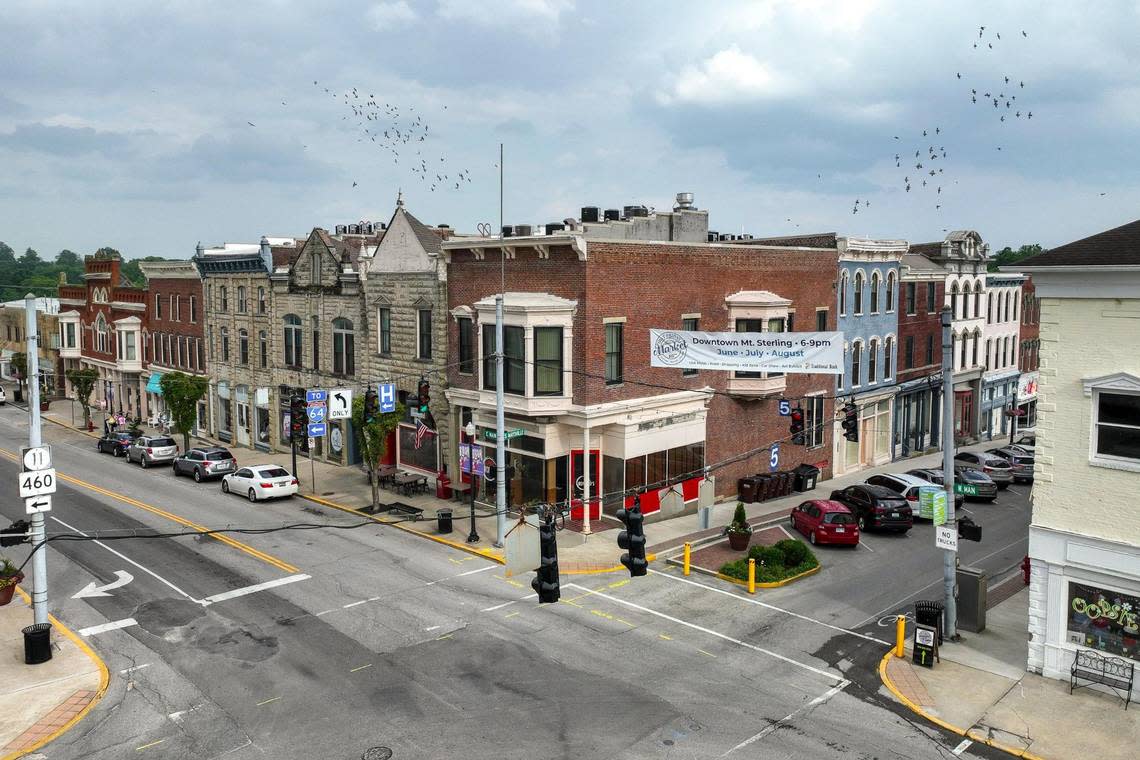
pixel 340 404
pixel 92 590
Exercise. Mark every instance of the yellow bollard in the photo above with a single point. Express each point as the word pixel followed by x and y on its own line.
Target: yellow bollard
pixel 900 636
pixel 688 556
pixel 751 576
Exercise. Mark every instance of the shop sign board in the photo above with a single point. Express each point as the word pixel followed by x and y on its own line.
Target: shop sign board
pixel 801 352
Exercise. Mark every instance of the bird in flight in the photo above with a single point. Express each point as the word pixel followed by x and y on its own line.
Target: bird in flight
pixel 1023 34
pixel 959 75
pixel 354 184
pixel 250 123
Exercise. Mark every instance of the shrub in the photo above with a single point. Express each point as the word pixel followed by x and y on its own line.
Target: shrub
pixel 767 556
pixel 773 563
pixel 794 551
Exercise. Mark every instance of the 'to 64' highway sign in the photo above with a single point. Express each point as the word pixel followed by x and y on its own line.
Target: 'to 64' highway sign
pixel 37 483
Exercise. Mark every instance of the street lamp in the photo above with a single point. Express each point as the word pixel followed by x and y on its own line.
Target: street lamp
pixel 473 536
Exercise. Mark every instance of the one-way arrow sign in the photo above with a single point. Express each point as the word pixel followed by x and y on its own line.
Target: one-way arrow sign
pixel 340 404
pixel 92 590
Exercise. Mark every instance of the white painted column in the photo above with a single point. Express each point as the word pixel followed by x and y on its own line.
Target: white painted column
pixel 586 480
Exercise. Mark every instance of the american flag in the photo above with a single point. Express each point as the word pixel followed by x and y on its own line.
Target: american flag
pixel 422 430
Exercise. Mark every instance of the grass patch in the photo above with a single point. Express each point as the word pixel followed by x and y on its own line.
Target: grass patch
pixel 781 561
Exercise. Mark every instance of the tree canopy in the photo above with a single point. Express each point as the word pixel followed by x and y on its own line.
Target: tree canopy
pixel 1007 255
pixel 40 275
pixel 182 392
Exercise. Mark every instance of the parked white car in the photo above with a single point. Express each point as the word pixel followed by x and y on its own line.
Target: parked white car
pixel 261 481
pixel 3 397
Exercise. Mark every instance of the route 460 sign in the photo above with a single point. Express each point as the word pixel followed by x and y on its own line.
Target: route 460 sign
pixel 37 483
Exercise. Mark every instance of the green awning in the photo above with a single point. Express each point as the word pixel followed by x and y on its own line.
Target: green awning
pixel 152 385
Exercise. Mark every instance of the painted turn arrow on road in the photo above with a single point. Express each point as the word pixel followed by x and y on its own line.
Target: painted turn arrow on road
pixel 122 579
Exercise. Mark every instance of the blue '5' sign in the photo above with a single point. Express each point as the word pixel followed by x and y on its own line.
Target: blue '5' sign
pixel 785 407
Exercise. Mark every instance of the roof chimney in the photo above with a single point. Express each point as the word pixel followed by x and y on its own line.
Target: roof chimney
pixel 684 201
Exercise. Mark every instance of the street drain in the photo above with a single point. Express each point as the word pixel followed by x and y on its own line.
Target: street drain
pixel 376 753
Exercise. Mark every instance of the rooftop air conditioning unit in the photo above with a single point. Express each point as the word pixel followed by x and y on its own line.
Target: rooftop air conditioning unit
pixel 591 213
pixel 523 230
pixel 612 215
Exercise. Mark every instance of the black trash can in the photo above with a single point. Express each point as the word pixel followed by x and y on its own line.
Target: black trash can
pixel 787 481
pixel 746 490
pixel 929 613
pixel 37 643
pixel 807 475
pixel 443 516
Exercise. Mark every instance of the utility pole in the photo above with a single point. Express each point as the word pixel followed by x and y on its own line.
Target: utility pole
pixel 500 424
pixel 39 549
pixel 949 556
pixel 1013 409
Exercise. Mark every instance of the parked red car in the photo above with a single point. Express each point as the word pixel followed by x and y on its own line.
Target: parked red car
pixel 826 522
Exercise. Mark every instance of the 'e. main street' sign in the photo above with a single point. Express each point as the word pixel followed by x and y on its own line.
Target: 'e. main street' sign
pixel 492 435
pixel 966 489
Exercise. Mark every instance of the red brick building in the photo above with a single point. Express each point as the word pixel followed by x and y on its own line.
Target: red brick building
pixel 103 324
pixel 175 340
pixel 577 374
pixel 918 403
pixel 1028 354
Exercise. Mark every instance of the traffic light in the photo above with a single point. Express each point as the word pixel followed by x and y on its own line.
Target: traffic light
pixel 851 422
pixel 545 583
pixel 298 418
pixel 13 535
pixel 424 392
pixel 797 426
pixel 632 539
pixel 371 406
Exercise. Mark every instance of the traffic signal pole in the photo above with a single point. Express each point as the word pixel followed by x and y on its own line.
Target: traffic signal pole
pixel 39 549
pixel 949 556
pixel 500 425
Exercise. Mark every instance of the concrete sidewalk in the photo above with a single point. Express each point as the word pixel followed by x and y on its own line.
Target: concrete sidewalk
pixel 40 702
pixel 981 690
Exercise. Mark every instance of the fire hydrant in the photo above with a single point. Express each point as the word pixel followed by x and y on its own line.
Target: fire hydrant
pixel 1025 569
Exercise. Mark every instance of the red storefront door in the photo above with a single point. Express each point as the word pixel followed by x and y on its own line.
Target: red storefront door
pixel 577 480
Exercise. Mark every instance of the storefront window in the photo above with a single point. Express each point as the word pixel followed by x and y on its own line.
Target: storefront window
pixel 686 461
pixel 528 485
pixel 261 402
pixel 635 473
pixel 655 470
pixel 613 479
pixel 426 457
pixel 1105 620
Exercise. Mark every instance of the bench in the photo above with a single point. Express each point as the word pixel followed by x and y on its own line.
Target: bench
pixel 1113 672
pixel 408 483
pixel 398 507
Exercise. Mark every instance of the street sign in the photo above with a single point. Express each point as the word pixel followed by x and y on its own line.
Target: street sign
pixel 966 489
pixel 340 404
pixel 317 412
pixel 925 646
pixel 316 395
pixel 785 407
pixel 387 393
pixel 946 537
pixel 492 435
pixel 316 429
pixel 312 442
pixel 36 458
pixel 37 483
pixel 774 458
pixel 37 504
pixel 932 504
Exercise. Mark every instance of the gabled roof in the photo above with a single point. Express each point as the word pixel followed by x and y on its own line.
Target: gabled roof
pixel 428 239
pixel 1118 247
pixel 919 264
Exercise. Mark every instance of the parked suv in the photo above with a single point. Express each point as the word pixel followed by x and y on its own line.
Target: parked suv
pixel 907 486
pixel 1020 460
pixel 204 463
pixel 114 443
pixel 987 489
pixel 997 468
pixel 1027 441
pixel 152 449
pixel 876 507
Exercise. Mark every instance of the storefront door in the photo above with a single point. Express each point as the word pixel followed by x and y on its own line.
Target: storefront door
pixel 577 477
pixel 963 413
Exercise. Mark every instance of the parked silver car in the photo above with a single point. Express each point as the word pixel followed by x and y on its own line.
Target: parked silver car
pixel 999 470
pixel 152 449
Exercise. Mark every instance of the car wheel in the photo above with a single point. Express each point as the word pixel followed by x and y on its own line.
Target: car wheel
pixel 142 461
pixel 792 521
pixel 252 495
pixel 174 469
pixel 225 487
pixel 811 537
pixel 116 451
pixel 197 475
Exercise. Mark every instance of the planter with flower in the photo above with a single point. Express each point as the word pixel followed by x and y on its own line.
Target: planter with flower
pixel 739 532
pixel 10 577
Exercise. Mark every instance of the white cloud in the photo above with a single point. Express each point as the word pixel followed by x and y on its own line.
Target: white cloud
pixel 391 13
pixel 498 12
pixel 730 75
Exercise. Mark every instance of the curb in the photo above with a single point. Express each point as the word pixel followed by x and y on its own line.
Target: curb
pixel 965 732
pixel 104 681
pixel 770 584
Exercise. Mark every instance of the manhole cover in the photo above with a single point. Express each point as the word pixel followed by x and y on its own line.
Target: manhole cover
pixel 376 753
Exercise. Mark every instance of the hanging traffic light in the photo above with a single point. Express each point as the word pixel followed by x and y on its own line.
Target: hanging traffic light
pixel 424 392
pixel 632 539
pixel 545 583
pixel 371 406
pixel 797 426
pixel 298 418
pixel 851 422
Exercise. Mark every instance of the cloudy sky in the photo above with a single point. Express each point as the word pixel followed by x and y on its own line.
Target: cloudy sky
pixel 129 123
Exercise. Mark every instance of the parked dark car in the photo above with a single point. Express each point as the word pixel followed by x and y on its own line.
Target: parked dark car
pixel 997 468
pixel 907 486
pixel 204 463
pixel 987 489
pixel 876 507
pixel 1019 460
pixel 115 443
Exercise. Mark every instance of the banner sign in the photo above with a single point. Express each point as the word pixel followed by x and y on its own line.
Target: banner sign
pixel 798 352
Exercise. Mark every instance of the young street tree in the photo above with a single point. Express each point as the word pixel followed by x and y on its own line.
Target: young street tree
pixel 182 393
pixel 82 383
pixel 19 362
pixel 373 439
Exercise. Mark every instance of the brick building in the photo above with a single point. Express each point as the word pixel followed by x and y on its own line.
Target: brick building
pixel 110 318
pixel 1028 351
pixel 918 403
pixel 577 372
pixel 176 339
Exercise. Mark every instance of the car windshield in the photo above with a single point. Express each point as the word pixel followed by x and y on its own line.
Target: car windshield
pixel 161 441
pixel 838 518
pixel 122 436
pixel 273 472
pixel 217 456
pixel 974 475
pixel 995 462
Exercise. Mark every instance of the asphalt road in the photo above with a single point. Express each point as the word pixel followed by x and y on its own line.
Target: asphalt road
pixel 325 643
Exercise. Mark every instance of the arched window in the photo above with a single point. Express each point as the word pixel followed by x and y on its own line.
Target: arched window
pixel 888 352
pixel 1015 309
pixel 842 297
pixel 292 340
pixel 241 302
pixel 966 301
pixel 243 346
pixel 344 347
pixel 875 293
pixel 261 306
pixel 224 297
pixel 101 334
pixel 990 309
pixel 225 344
pixel 856 362
pixel 1008 304
pixel 977 343
pixel 890 291
pixel 873 358
pixel 978 288
pixel 989 353
pixel 858 302
pixel 954 301
pixel 962 359
pixel 263 348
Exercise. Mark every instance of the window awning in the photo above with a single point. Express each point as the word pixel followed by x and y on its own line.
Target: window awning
pixel 152 385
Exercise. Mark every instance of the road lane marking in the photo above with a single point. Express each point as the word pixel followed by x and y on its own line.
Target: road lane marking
pixel 717 634
pixel 511 614
pixel 432 628
pixel 508 604
pixel 114 625
pixel 962 747
pixel 864 545
pixel 445 636
pixel 772 607
pixel 709 654
pixel 169 516
pixel 124 557
pixel 247 590
pixel 362 667
pixel 152 744
pixel 259 704
pixel 132 670
pixel 322 612
pixel 354 604
pixel 618 584
pixel 472 572
pixel 784 721
pixel 663 636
